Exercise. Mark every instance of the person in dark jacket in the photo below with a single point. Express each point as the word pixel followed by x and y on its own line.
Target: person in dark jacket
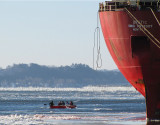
pixel 51 103
pixel 60 103
pixel 63 103
pixel 71 103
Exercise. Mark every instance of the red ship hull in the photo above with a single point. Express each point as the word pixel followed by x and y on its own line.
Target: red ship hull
pixel 136 56
pixel 63 106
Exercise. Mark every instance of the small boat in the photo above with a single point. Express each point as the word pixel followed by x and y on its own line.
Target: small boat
pixel 63 106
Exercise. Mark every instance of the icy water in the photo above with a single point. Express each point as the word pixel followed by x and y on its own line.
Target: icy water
pixel 95 106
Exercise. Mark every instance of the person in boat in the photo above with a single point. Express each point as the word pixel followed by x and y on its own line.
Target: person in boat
pixel 60 103
pixel 71 103
pixel 63 103
pixel 67 102
pixel 51 103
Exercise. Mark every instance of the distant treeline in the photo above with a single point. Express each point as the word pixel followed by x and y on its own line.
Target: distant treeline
pixel 76 75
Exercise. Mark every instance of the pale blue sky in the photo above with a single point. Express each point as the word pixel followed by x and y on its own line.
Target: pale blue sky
pixel 49 33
